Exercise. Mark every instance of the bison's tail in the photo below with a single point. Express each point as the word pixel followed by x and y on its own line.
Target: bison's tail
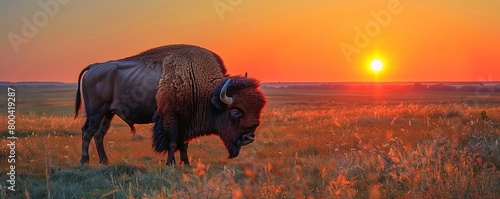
pixel 78 101
pixel 160 140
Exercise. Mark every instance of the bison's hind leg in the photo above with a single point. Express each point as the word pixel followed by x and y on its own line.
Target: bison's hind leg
pixel 92 125
pixel 85 145
pixel 99 137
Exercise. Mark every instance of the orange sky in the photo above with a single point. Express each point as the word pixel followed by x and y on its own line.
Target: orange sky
pixel 422 40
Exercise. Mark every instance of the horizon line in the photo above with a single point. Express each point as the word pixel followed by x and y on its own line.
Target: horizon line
pixel 285 82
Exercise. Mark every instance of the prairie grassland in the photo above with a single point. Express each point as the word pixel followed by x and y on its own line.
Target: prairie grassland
pixel 312 143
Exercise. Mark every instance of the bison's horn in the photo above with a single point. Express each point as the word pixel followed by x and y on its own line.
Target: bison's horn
pixel 223 94
pixel 246 75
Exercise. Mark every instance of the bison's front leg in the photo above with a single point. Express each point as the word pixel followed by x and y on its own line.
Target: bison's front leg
pixel 172 147
pixel 165 134
pixel 184 157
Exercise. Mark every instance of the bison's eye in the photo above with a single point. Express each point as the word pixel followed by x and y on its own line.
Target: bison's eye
pixel 236 114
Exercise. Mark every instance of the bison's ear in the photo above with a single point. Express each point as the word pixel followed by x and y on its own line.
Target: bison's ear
pixel 218 103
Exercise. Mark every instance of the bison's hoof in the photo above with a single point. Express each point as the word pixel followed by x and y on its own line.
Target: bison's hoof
pixel 105 162
pixel 84 161
pixel 171 164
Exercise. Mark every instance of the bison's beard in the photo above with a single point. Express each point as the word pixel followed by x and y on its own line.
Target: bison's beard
pixel 234 151
pixel 233 146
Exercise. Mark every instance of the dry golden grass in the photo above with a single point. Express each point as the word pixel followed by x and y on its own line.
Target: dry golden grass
pixel 317 148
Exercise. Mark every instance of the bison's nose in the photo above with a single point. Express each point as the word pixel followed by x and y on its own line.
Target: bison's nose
pixel 248 138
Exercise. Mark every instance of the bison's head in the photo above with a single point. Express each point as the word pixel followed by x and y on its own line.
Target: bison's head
pixel 239 103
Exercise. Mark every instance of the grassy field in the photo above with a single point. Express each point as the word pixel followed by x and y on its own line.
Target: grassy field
pixel 313 143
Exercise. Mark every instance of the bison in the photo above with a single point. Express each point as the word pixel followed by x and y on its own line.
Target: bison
pixel 196 97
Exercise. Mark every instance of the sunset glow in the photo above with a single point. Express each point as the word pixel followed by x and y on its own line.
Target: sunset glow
pixel 274 41
pixel 276 99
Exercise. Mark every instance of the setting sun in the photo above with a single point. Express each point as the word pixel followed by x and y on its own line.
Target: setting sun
pixel 376 65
